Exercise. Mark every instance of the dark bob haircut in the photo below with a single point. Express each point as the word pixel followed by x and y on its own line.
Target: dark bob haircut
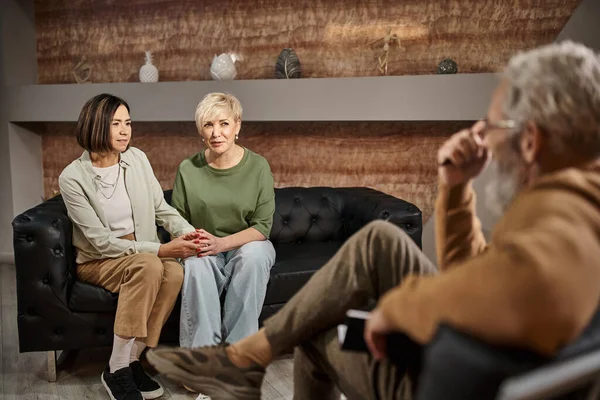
pixel 93 126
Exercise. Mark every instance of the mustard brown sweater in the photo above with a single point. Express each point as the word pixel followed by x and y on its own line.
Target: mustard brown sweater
pixel 536 285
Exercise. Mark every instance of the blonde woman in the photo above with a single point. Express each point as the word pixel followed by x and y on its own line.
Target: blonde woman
pixel 114 201
pixel 226 192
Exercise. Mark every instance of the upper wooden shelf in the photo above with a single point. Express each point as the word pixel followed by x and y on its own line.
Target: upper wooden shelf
pixel 389 98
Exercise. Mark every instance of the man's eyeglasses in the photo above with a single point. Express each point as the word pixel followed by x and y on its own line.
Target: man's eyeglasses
pixel 501 124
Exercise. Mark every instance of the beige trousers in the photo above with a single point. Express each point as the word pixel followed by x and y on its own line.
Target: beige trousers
pixel 370 263
pixel 148 287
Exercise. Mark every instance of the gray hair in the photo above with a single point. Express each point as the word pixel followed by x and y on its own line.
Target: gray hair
pixel 557 86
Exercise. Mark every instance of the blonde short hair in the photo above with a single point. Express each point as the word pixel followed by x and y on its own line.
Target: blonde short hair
pixel 215 103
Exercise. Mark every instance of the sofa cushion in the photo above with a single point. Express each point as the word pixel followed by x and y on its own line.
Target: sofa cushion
pixel 294 265
pixel 90 298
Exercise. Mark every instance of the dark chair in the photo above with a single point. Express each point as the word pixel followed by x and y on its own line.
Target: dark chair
pixel 457 366
pixel 58 312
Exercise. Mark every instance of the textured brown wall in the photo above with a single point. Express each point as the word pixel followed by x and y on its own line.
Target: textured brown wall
pixel 331 37
pixel 395 157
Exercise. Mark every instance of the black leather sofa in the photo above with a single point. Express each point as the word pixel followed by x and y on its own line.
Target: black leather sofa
pixel 57 312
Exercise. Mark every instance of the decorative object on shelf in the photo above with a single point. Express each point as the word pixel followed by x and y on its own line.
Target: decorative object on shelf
pixel 288 65
pixel 447 66
pixel 148 71
pixel 387 40
pixel 82 71
pixel 55 192
pixel 223 67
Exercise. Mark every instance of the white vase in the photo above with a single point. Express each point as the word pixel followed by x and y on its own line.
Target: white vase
pixel 148 71
pixel 223 67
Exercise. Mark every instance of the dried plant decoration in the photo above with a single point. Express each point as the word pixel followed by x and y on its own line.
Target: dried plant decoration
pixel 82 70
pixel 388 39
pixel 288 65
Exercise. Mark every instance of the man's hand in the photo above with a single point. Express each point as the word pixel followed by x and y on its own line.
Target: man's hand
pixel 209 245
pixel 463 156
pixel 376 329
pixel 179 248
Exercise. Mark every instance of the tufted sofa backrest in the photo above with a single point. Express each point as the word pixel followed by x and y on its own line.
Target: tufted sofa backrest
pixel 45 233
pixel 320 214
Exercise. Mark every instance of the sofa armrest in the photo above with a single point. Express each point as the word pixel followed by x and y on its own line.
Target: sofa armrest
pixel 44 258
pixel 363 205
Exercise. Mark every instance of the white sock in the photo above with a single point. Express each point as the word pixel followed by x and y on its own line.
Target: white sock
pixel 136 351
pixel 121 352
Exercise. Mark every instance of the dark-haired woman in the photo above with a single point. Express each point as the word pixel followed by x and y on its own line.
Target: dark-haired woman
pixel 114 201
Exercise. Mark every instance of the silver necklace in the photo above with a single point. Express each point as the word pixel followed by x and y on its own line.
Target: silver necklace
pixel 100 184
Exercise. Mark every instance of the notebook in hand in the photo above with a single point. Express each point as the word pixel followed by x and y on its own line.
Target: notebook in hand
pixel 351 338
pixel 351 333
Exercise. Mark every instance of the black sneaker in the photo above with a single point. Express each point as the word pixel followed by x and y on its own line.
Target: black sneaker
pixel 149 388
pixel 120 384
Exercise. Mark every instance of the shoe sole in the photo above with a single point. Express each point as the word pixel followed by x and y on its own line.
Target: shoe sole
pixel 153 394
pixel 106 387
pixel 212 387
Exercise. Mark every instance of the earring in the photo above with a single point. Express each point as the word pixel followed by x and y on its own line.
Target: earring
pixel 202 139
pixel 236 137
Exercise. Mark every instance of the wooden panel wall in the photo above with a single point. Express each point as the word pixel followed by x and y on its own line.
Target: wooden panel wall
pixel 395 157
pixel 331 37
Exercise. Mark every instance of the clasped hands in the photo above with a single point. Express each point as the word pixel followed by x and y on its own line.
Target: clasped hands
pixel 198 243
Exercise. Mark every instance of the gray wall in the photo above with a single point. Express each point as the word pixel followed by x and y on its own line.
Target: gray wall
pixel 584 25
pixel 18 66
pixel 5 185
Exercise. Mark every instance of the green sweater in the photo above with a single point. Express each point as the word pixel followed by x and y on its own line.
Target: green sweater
pixel 226 201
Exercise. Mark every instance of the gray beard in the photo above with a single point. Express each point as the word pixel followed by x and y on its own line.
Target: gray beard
pixel 501 189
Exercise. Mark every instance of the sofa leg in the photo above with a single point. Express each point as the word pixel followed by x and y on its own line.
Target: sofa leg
pixel 52 366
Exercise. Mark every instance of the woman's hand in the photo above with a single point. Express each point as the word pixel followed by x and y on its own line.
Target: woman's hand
pixel 191 235
pixel 210 245
pixel 376 329
pixel 179 248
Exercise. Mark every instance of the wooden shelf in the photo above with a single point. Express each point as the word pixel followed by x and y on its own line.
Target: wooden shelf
pixel 390 98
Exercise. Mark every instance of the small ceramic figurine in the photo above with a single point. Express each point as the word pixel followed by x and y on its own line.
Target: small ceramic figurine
pixel 223 67
pixel 148 71
pixel 82 71
pixel 447 66
pixel 288 65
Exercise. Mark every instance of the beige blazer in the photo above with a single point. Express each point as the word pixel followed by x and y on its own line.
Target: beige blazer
pixel 91 235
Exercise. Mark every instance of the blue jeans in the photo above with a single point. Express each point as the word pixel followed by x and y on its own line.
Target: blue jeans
pixel 243 275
